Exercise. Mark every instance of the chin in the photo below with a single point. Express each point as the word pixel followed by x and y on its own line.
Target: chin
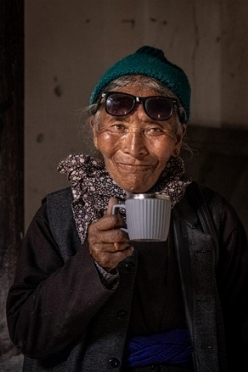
pixel 135 189
pixel 134 184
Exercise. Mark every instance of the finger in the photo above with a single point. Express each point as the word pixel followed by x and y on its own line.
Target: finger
pixel 120 246
pixel 110 261
pixel 106 225
pixel 111 203
pixel 117 245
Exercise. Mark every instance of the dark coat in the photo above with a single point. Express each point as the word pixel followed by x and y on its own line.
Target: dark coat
pixel 60 313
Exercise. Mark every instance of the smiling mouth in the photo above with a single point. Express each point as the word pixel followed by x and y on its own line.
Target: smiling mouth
pixel 136 167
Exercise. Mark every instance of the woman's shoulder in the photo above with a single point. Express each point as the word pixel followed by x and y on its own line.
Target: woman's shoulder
pixel 58 204
pixel 199 194
pixel 65 193
pixel 221 210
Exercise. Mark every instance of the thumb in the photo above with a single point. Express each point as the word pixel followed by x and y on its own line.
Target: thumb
pixel 111 203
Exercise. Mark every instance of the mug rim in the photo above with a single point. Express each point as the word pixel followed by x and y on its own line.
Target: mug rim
pixel 141 196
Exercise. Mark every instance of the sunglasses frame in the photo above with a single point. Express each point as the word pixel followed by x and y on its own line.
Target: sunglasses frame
pixel 139 100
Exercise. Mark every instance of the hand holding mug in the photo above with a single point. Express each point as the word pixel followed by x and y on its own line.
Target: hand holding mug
pixel 108 244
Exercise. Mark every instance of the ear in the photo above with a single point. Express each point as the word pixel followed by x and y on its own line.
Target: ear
pixel 179 138
pixel 94 130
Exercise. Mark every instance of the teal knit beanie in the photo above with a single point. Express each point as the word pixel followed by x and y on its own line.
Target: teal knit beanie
pixel 150 62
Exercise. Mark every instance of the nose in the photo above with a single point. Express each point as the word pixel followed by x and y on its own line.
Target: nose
pixel 135 139
pixel 135 143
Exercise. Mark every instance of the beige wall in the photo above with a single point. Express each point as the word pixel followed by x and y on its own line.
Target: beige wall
pixel 69 43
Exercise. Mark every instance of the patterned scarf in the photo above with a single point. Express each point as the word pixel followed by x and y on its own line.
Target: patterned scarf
pixel 92 187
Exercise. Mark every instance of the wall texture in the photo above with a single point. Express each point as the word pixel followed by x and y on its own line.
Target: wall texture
pixel 70 43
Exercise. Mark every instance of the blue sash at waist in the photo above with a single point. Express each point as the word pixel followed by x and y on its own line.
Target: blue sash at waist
pixel 171 347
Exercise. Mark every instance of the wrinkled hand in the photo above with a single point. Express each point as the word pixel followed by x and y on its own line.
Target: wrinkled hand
pixel 108 244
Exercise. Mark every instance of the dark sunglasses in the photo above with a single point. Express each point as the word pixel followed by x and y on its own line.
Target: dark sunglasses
pixel 122 104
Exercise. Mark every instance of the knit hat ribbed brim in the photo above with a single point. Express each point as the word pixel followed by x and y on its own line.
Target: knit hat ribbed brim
pixel 148 61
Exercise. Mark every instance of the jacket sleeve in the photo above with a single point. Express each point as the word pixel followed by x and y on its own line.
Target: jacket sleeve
pixel 51 302
pixel 232 276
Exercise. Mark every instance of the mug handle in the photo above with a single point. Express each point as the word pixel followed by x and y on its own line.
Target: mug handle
pixel 115 210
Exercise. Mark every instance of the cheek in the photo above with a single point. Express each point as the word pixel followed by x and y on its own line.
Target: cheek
pixel 163 150
pixel 105 143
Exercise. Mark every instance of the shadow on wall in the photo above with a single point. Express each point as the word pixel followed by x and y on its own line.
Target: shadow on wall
pixel 220 161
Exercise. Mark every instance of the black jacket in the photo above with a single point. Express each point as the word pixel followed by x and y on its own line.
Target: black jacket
pixel 60 314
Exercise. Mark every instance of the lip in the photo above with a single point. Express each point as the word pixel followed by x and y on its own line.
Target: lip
pixel 134 166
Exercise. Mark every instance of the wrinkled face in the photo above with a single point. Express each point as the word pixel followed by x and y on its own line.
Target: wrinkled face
pixel 136 148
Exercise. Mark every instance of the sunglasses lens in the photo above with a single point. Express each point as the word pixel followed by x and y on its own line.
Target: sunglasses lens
pixel 119 104
pixel 159 108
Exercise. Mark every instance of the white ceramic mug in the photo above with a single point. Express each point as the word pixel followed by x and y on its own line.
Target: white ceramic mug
pixel 147 216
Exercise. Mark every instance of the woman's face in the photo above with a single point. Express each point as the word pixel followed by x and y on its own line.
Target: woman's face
pixel 136 148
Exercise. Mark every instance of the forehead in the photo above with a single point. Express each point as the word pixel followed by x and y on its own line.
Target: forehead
pixel 138 90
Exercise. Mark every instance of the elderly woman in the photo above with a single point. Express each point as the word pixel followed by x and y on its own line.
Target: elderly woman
pixel 85 297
